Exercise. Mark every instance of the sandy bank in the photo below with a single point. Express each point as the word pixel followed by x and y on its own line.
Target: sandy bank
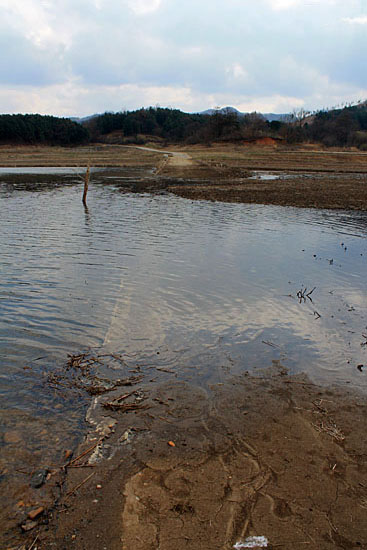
pixel 273 456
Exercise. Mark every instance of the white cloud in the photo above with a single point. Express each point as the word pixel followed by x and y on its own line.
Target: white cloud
pixel 278 5
pixel 143 7
pixel 45 25
pixel 270 104
pixel 74 98
pixel 237 71
pixel 361 20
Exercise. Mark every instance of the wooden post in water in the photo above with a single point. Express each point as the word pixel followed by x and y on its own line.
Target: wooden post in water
pixel 86 183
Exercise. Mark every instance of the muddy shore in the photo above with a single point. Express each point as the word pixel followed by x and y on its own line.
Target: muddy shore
pixel 271 456
pixel 302 177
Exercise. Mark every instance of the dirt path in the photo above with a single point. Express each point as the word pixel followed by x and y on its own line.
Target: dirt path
pixel 173 158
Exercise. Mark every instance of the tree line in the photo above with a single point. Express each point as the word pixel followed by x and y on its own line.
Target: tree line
pixel 40 129
pixel 340 127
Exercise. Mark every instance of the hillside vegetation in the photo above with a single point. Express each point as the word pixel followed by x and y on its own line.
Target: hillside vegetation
pixel 39 129
pixel 345 127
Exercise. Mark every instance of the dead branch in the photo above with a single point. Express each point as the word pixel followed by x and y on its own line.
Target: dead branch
pixel 79 485
pixel 86 184
pixel 83 453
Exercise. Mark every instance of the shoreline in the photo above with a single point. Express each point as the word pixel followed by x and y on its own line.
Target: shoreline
pixel 304 178
pixel 273 455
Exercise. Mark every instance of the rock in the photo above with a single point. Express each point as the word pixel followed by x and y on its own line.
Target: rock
pixel 33 514
pixel 29 525
pixel 39 478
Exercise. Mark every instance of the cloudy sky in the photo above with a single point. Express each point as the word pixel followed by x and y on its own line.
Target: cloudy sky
pixel 78 57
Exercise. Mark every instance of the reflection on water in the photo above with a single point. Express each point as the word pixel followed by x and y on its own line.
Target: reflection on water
pixel 140 274
pixel 204 288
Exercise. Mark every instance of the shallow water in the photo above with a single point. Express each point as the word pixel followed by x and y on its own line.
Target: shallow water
pixel 204 289
pixel 49 170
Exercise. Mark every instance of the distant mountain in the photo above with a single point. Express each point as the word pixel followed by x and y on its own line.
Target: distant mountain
pixel 80 120
pixel 222 111
pixel 230 110
pixel 280 117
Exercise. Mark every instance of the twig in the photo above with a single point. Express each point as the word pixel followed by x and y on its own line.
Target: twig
pixel 79 485
pixel 85 465
pixel 270 344
pixel 34 542
pixel 122 397
pixel 84 453
pixel 302 294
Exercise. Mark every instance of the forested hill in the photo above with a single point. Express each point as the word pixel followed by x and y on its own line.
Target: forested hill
pixel 339 127
pixel 334 127
pixel 34 129
pixel 346 127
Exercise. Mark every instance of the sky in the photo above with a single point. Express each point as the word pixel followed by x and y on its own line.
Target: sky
pixel 79 57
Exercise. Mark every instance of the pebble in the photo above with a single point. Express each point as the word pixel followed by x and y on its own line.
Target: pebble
pixel 29 525
pixel 39 478
pixel 33 514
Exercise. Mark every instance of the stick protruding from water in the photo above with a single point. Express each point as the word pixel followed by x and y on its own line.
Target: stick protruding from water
pixel 86 184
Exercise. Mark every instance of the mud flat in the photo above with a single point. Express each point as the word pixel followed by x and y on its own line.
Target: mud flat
pixel 299 176
pixel 271 456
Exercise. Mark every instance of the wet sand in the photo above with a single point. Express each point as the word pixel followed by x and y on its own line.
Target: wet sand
pixel 271 455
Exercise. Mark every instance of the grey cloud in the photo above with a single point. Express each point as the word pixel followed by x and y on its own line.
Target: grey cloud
pixel 21 63
pixel 297 52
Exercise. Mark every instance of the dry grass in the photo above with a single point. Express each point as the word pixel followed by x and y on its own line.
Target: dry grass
pixel 95 155
pixel 281 158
